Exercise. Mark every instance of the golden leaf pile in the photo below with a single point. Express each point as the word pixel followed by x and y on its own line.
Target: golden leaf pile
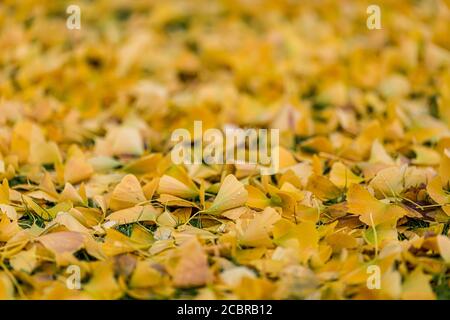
pixel 87 179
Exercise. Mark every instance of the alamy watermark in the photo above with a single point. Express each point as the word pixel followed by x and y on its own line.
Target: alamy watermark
pixel 374 19
pixel 73 21
pixel 258 147
pixel 73 281
pixel 374 279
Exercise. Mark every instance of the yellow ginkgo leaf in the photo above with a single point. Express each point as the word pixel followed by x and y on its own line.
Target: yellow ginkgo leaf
pixel 291 177
pixel 256 232
pixel 39 210
pixel 166 219
pixel 371 211
pixel 44 152
pixel 71 194
pixel 383 232
pixel 417 286
pixel 146 164
pixel 103 163
pixel 6 287
pixel 176 182
pixel 8 228
pixel 145 276
pixel 305 213
pixel 118 243
pixel 391 284
pixel 25 260
pixel 10 211
pixel 134 214
pixel 141 236
pixel 323 188
pixel 47 185
pixel 125 140
pixel 127 193
pixel 88 217
pixel 150 188
pixel 23 132
pixel 379 154
pixel 255 289
pixel 317 144
pixel 236 213
pixel 436 191
pixel 389 181
pixel 103 284
pixel 341 240
pixel 72 224
pixel 343 177
pixel 232 194
pixel 425 156
pixel 169 200
pixel 286 158
pixel 256 198
pixel 360 200
pixel 302 237
pixel 172 186
pixel 77 169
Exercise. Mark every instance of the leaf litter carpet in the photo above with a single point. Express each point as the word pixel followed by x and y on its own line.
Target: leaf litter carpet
pixel 92 206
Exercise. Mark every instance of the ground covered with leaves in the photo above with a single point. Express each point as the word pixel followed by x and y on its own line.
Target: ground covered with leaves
pixel 87 181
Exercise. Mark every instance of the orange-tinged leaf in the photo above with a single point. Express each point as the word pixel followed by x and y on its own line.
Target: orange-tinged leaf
pixel 62 242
